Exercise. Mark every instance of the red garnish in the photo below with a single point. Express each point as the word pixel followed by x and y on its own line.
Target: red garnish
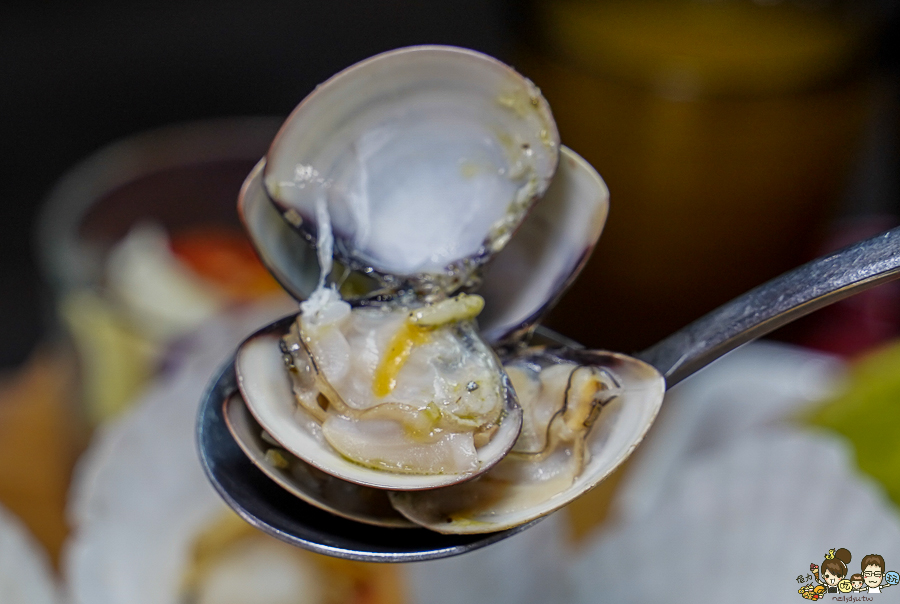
pixel 226 259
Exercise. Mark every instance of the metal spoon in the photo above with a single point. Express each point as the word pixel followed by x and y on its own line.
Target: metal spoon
pixel 268 507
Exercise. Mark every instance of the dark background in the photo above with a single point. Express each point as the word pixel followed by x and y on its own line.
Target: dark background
pixel 76 76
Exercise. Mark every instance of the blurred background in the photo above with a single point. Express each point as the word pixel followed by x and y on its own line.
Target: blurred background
pixel 739 138
pixel 76 78
pixel 751 124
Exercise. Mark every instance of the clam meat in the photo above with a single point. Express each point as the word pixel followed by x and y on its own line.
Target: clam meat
pixel 385 396
pixel 584 412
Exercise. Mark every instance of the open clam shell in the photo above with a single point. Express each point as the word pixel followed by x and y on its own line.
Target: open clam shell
pixel 525 486
pixel 527 277
pixel 302 480
pixel 427 159
pixel 520 283
pixel 267 388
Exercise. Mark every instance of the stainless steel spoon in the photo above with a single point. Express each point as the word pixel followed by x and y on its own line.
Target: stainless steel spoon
pixel 268 507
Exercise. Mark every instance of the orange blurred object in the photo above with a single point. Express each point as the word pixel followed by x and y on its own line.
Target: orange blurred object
pixel 40 438
pixel 226 259
pixel 725 131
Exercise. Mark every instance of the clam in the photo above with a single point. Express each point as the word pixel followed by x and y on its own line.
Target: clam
pixel 584 413
pixel 519 284
pixel 413 168
pixel 421 208
pixel 499 166
pixel 423 160
pixel 373 397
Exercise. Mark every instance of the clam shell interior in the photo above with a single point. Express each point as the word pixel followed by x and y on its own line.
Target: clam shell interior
pixel 426 156
pixel 491 502
pixel 520 283
pixel 265 385
pixel 290 259
pixel 523 281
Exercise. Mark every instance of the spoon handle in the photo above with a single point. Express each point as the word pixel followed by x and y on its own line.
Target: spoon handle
pixel 775 303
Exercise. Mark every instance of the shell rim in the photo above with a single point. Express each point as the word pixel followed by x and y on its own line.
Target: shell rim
pixel 508 335
pixel 294 487
pixel 584 482
pixel 467 265
pixel 395 481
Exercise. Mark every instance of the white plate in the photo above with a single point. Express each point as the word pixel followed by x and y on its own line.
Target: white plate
pixel 139 495
pixel 25 574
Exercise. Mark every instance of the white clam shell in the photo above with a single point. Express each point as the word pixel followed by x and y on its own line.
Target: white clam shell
pixel 317 488
pixel 288 256
pixel 428 157
pixel 525 279
pixel 265 386
pixel 490 504
pixel 521 282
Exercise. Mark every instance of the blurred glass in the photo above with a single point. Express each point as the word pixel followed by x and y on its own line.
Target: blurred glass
pixel 141 242
pixel 724 129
